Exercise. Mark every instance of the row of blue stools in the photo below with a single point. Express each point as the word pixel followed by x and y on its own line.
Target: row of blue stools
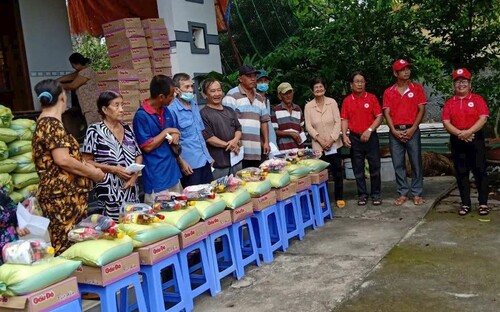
pixel 172 283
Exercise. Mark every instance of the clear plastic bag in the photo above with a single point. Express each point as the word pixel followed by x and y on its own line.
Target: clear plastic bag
pixel 27 251
pixel 94 227
pixel 275 165
pixel 31 204
pixel 252 174
pixel 199 192
pixel 138 213
pixel 171 202
pixel 227 184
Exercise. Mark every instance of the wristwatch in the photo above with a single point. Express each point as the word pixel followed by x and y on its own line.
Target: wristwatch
pixel 370 129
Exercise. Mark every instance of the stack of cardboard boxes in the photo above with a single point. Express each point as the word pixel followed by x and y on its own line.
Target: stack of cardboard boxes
pixel 158 46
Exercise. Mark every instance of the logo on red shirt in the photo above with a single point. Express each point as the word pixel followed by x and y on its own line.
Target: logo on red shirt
pixel 410 95
pixel 367 105
pixel 470 104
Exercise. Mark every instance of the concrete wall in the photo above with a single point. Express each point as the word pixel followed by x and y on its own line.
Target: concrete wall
pixel 177 15
pixel 47 39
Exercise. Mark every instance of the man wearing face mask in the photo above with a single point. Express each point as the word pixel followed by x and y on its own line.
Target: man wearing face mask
pixel 252 115
pixel 195 160
pixel 263 89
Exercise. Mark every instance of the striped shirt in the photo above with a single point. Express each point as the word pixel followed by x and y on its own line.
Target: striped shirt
pixel 250 116
pixel 283 120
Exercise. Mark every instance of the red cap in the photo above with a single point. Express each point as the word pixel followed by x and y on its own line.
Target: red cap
pixel 400 64
pixel 461 73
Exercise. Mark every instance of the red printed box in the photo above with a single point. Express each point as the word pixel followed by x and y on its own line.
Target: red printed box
pixel 161 43
pixel 320 177
pixel 151 254
pixel 125 33
pixel 167 71
pixel 286 191
pixel 159 53
pixel 117 44
pixel 145 73
pixel 156 33
pixel 153 23
pixel 133 22
pixel 127 55
pixel 128 116
pixel 109 273
pixel 131 106
pixel 130 95
pixel 193 234
pixel 118 85
pixel 134 64
pixel 303 183
pixel 47 299
pixel 117 74
pixel 241 212
pixel 219 221
pixel 264 201
pixel 144 83
pixel 161 62
pixel 144 94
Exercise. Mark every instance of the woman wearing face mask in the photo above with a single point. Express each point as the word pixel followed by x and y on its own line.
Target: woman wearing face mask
pixel 195 159
pixel 262 89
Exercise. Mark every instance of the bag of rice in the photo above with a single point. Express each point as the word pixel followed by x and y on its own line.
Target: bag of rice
pixel 21 180
pixel 236 199
pixel 7 135
pixel 5 117
pixel 19 147
pixel 182 218
pixel 24 134
pixel 143 235
pixel 208 208
pixel 16 197
pixel 6 182
pixel 23 124
pixel 256 189
pixel 7 165
pixel 4 150
pixel 20 279
pixel 297 171
pixel 315 165
pixel 279 180
pixel 29 190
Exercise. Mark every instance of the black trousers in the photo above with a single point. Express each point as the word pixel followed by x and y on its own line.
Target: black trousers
pixel 200 175
pixel 469 157
pixel 370 151
pixel 335 161
pixel 251 163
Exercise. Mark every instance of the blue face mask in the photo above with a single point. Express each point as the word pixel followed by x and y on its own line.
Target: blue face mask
pixel 187 96
pixel 263 87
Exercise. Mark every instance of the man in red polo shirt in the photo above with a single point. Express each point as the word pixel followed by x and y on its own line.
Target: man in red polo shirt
pixel 404 109
pixel 464 116
pixel 361 114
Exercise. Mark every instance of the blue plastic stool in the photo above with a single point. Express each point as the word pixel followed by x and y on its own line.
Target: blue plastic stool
pixel 267 227
pixel 307 209
pixel 321 203
pixel 107 294
pixel 73 306
pixel 223 262
pixel 244 245
pixel 199 276
pixel 291 220
pixel 157 293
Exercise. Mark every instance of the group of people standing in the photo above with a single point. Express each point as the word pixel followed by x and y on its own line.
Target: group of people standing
pixel 180 144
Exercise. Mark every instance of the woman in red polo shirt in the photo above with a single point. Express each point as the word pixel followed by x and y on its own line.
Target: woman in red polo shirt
pixel 464 116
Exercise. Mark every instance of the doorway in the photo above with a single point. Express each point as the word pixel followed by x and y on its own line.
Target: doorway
pixel 14 80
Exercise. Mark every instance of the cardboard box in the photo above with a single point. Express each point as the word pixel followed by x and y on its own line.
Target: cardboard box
pixel 159 53
pixel 117 44
pixel 118 85
pixel 242 212
pixel 153 23
pixel 320 177
pixel 219 221
pixel 286 191
pixel 128 116
pixel 132 22
pixel 161 62
pixel 266 200
pixel 131 106
pixel 167 71
pixel 125 33
pixel 303 183
pixel 144 94
pixel 109 273
pixel 144 83
pixel 151 254
pixel 133 64
pixel 46 299
pixel 145 73
pixel 193 234
pixel 161 43
pixel 130 95
pixel 117 74
pixel 156 33
pixel 127 55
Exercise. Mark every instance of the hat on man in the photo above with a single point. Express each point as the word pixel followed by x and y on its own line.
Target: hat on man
pixel 461 73
pixel 263 73
pixel 400 64
pixel 247 70
pixel 284 87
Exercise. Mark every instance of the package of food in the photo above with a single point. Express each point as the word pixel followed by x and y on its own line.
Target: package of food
pixel 138 213
pixel 274 165
pixel 227 184
pixel 251 174
pixel 199 192
pixel 27 251
pixel 171 202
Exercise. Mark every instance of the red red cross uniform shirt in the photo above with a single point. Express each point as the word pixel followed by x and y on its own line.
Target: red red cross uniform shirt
pixel 404 108
pixel 463 113
pixel 360 111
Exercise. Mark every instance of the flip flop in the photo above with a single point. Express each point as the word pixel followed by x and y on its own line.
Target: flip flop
pixel 418 200
pixel 400 200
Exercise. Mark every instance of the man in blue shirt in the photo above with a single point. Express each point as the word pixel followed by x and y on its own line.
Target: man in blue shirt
pixel 152 122
pixel 195 161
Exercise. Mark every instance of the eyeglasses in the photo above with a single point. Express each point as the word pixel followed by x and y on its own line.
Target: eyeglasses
pixel 461 82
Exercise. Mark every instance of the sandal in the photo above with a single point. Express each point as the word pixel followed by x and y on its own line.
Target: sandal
pixel 418 200
pixel 464 210
pixel 484 210
pixel 362 202
pixel 400 200
pixel 377 202
pixel 340 203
